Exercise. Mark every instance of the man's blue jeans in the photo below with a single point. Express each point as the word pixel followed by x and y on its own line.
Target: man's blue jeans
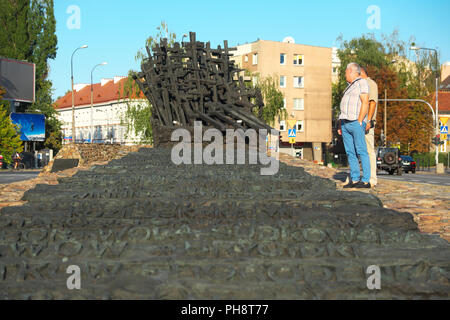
pixel 353 135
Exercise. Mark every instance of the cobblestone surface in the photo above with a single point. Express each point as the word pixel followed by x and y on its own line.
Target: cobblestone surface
pixel 429 204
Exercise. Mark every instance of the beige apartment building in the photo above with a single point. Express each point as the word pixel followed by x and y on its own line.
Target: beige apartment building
pixel 305 80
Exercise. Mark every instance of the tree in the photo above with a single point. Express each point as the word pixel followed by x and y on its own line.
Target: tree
pixel 365 51
pixel 273 100
pixel 9 138
pixel 138 114
pixel 15 35
pixel 137 117
pixel 162 33
pixel 31 35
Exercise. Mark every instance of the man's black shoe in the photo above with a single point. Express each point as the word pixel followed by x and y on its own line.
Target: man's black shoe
pixel 351 185
pixel 362 185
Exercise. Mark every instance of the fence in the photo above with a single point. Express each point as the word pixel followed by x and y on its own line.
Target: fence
pixel 427 162
pixel 423 164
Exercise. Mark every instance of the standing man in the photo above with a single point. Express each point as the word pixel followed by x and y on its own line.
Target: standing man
pixel 370 129
pixel 353 119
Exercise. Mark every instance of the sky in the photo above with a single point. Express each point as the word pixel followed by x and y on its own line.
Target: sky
pixel 115 30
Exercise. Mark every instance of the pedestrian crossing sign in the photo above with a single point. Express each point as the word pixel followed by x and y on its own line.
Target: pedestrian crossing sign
pixel 292 133
pixel 444 130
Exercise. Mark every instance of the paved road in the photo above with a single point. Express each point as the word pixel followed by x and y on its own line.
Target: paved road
pixel 441 180
pixel 427 178
pixel 10 176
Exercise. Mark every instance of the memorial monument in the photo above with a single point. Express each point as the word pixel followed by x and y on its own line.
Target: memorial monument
pixel 144 228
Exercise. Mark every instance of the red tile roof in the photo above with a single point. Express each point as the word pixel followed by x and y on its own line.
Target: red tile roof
pixel 444 102
pixel 445 85
pixel 106 93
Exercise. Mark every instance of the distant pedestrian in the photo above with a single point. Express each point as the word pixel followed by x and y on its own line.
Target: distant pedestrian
pixel 370 129
pixel 352 120
pixel 39 160
pixel 16 159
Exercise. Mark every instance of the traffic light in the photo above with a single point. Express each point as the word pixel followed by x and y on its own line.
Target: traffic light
pixel 437 140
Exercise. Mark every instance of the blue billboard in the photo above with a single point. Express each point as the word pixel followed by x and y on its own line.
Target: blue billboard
pixel 31 126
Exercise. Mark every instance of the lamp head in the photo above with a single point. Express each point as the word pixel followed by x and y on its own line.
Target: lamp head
pixel 84 47
pixel 104 63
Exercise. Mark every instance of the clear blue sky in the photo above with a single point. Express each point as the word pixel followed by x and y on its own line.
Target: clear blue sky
pixel 116 29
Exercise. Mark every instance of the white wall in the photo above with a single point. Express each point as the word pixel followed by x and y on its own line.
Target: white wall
pixel 106 123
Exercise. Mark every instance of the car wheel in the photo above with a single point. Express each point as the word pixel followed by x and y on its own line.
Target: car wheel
pixel 391 172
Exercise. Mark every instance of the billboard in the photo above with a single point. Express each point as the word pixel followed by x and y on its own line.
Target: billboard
pixel 31 126
pixel 18 79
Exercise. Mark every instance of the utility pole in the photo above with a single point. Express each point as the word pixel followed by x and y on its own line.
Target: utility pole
pixel 385 106
pixel 73 94
pixel 92 101
pixel 437 95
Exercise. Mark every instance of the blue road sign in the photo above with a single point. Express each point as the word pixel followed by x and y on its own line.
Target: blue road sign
pixel 444 130
pixel 292 133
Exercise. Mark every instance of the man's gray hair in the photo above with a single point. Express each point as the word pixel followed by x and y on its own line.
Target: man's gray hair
pixel 355 67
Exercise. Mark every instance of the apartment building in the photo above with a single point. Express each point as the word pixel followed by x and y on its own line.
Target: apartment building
pixel 304 79
pixel 336 64
pixel 106 113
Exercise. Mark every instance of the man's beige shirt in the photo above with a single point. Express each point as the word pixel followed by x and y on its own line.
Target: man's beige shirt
pixel 373 95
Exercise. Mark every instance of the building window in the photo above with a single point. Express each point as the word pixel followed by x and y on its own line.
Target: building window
pixel 298 82
pixel 283 82
pixel 283 59
pixel 335 69
pixel 299 126
pixel 298 59
pixel 255 58
pixel 299 104
pixel 282 125
pixel 284 103
pixel 246 58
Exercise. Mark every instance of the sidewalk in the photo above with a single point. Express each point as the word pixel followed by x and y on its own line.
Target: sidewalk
pixel 10 194
pixel 429 204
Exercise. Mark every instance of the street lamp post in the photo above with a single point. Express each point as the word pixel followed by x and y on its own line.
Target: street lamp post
pixel 385 107
pixel 437 95
pixel 92 101
pixel 73 96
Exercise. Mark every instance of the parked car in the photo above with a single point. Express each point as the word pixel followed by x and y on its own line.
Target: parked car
pixel 408 164
pixel 388 159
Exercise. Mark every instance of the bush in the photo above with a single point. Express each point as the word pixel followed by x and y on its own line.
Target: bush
pixel 429 159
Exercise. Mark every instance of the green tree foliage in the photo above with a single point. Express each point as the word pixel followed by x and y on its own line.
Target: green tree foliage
pixel 15 36
pixel 9 137
pixel 162 32
pixel 273 100
pixel 31 35
pixel 365 51
pixel 137 117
